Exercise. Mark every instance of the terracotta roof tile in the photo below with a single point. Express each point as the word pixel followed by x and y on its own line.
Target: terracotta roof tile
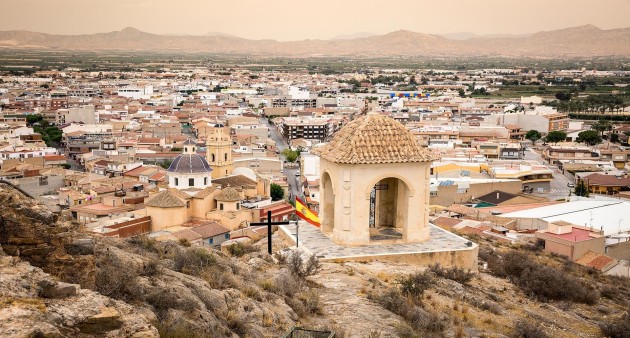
pixel 239 181
pixel 166 199
pixel 371 139
pixel 446 221
pixel 205 192
pixel 597 261
pixel 228 194
pixel 608 180
pixel 210 230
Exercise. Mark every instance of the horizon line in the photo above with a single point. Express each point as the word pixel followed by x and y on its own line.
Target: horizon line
pixel 217 33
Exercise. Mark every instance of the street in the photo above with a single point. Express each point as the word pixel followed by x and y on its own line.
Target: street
pixel 294 184
pixel 558 186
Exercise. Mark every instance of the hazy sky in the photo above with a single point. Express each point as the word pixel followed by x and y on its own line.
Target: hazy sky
pixel 314 19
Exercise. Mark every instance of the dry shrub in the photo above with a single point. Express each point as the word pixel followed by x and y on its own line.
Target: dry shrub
pixel 537 246
pixel 193 261
pixel 406 331
pixel 405 306
pixel 151 268
pixel 286 284
pixel 252 292
pixel 527 329
pixel 268 285
pixel 453 273
pixel 491 307
pixel 219 277
pixel 236 323
pixel 619 328
pixel 541 281
pixel 415 284
pixel 300 268
pixel 162 300
pixel 391 299
pixel 144 242
pixel 280 257
pixel 310 301
pixel 239 249
pixel 116 279
pixel 374 334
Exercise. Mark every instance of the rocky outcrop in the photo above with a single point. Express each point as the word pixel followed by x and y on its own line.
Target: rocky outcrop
pixel 111 287
pixel 34 304
pixel 32 232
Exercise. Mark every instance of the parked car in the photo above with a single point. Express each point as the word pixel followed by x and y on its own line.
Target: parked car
pixel 571 185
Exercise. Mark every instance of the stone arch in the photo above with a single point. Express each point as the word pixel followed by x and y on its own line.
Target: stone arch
pixel 327 203
pixel 379 178
pixel 389 207
pixel 332 181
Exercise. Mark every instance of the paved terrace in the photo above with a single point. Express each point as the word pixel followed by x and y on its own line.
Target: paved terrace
pixel 316 242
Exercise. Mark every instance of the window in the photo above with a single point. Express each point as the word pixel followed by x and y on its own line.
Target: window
pixel 238 206
pixel 225 156
pixel 205 181
pixel 191 182
pixel 213 158
pixel 187 204
pixel 186 149
pixel 433 193
pixel 227 236
pixel 220 206
pixel 210 240
pixel 176 181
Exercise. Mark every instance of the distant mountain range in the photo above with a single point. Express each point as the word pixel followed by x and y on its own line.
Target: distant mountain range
pixel 576 41
pixel 469 35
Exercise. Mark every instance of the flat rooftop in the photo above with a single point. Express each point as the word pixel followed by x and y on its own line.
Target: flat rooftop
pixel 576 235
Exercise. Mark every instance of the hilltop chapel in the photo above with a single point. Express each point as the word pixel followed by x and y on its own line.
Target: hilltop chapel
pixel 375 184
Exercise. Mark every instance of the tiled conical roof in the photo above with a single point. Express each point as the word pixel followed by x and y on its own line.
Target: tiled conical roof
pixel 228 194
pixel 166 199
pixel 372 139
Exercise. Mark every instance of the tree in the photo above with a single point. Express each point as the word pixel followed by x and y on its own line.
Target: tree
pixel 30 119
pixel 614 138
pixel 277 193
pixel 556 136
pixel 590 137
pixel 602 126
pixel 290 155
pixel 533 135
pixel 165 164
pixel 581 189
pixel 462 92
pixel 563 96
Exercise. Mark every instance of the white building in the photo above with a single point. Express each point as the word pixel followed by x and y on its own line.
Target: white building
pixel 144 92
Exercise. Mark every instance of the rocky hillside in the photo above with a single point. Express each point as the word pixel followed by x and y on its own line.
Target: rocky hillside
pixel 57 282
pixel 576 41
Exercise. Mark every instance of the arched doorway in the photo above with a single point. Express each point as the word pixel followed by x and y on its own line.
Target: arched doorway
pixel 327 207
pixel 389 205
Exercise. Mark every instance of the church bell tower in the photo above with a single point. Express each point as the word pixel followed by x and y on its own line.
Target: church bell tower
pixel 219 152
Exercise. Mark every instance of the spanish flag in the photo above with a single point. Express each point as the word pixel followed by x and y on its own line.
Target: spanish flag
pixel 305 213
